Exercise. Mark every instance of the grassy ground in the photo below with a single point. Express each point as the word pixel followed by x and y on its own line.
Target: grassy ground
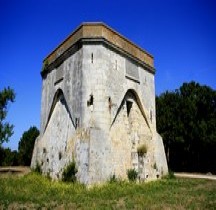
pixel 36 192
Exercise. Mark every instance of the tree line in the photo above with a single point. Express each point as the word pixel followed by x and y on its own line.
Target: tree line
pixel 186 119
pixel 25 149
pixel 26 143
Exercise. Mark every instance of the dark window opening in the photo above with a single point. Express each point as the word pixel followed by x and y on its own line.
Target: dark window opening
pixel 109 99
pixel 110 103
pixel 60 155
pixel 92 58
pixel 90 101
pixel 129 105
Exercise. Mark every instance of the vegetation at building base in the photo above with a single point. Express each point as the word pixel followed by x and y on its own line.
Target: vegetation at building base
pixel 37 168
pixel 34 191
pixel 186 119
pixel 113 179
pixel 132 175
pixel 69 172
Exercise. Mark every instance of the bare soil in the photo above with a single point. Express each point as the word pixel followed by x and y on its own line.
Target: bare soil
pixel 196 176
pixel 14 171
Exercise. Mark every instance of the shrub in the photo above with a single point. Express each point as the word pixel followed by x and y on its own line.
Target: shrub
pixel 132 174
pixel 113 179
pixel 142 149
pixel 37 168
pixel 69 173
pixel 170 175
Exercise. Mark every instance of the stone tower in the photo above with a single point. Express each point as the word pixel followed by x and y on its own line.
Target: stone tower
pixel 98 108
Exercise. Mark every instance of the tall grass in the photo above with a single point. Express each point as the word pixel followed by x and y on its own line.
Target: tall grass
pixel 35 191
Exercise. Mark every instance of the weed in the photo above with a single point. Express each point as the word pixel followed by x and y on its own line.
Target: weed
pixel 142 149
pixel 132 174
pixel 37 168
pixel 113 179
pixel 69 173
pixel 48 175
pixel 170 175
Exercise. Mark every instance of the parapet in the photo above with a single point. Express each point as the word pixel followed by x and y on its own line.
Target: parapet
pixel 101 32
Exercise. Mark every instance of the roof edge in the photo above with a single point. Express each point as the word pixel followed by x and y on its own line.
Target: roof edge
pixel 100 29
pixel 116 32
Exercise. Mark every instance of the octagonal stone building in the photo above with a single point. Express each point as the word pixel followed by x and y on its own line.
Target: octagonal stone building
pixel 98 109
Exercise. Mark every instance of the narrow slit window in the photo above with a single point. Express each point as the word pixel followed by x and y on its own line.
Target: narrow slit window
pixel 110 103
pixel 92 58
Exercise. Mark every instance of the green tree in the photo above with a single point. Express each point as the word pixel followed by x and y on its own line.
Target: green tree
pixel 168 122
pixel 6 129
pixel 198 105
pixel 186 119
pixel 8 157
pixel 26 145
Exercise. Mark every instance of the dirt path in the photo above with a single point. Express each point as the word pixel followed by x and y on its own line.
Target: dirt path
pixel 14 170
pixel 195 176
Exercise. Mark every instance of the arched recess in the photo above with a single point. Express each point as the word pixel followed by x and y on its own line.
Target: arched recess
pixel 139 103
pixel 59 95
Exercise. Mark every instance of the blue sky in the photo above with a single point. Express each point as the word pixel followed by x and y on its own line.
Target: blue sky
pixel 181 34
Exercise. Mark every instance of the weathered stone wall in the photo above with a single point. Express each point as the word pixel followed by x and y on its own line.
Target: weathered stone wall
pixel 130 131
pixel 69 80
pixel 61 114
pixel 55 148
pixel 98 107
pixel 107 80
